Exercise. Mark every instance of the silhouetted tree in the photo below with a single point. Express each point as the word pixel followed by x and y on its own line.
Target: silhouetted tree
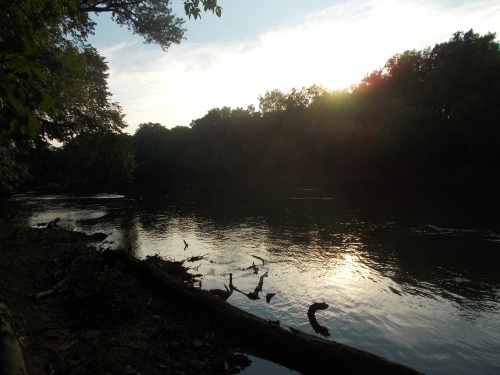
pixel 97 159
pixel 53 84
pixel 426 117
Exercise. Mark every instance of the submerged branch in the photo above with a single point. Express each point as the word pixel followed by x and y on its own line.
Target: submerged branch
pixel 323 331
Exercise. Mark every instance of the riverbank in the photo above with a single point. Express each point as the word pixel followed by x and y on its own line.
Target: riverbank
pixel 78 310
pixel 99 318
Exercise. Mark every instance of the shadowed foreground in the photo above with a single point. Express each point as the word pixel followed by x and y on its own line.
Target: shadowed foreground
pixel 102 320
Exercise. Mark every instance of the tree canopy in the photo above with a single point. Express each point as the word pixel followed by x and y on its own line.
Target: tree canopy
pixel 425 117
pixel 53 84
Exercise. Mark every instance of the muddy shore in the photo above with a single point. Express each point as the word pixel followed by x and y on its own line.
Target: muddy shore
pixel 100 318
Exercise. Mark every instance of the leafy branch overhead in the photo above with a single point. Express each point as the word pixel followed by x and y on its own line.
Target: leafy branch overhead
pixel 151 19
pixel 44 48
pixel 192 8
pixel 53 84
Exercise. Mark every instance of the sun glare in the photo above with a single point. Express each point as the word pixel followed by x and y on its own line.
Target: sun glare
pixel 333 48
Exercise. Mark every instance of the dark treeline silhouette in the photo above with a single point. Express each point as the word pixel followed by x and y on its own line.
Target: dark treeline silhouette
pixel 426 117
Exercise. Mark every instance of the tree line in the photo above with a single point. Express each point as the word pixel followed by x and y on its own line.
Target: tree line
pixel 426 116
pixel 429 116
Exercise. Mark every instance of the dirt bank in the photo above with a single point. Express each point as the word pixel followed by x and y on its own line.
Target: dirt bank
pixel 100 318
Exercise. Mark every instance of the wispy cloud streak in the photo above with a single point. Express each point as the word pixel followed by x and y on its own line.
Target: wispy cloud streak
pixel 335 47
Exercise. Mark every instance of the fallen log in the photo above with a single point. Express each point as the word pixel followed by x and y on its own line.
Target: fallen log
pixel 297 350
pixel 11 357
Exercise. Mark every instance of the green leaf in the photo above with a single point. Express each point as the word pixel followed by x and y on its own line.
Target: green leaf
pixel 14 125
pixel 18 106
pixel 33 125
pixel 27 48
pixel 47 104
pixel 37 71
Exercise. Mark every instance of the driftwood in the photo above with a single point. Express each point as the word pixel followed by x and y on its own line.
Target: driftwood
pixel 269 296
pixel 258 288
pixel 196 258
pixel 255 294
pixel 11 357
pixel 297 350
pixel 323 331
pixel 221 293
pixel 251 295
pixel 53 224
pixel 55 288
pixel 253 267
pixel 262 260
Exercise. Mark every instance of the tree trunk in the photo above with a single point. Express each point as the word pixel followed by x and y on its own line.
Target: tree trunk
pixel 296 350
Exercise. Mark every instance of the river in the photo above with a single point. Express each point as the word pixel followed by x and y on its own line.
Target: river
pixel 415 283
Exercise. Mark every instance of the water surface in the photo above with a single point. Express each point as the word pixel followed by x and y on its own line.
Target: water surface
pixel 414 284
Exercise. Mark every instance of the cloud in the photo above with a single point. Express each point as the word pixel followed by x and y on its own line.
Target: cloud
pixel 334 47
pixel 111 50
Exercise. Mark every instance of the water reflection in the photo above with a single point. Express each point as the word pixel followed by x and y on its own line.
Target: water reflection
pixel 413 287
pixel 130 234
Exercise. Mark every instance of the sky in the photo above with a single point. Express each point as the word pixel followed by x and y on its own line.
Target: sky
pixel 262 45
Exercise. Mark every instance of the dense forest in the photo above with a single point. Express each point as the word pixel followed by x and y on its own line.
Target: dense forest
pixel 428 118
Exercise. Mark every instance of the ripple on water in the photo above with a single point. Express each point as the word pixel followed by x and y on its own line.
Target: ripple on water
pixel 408 291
